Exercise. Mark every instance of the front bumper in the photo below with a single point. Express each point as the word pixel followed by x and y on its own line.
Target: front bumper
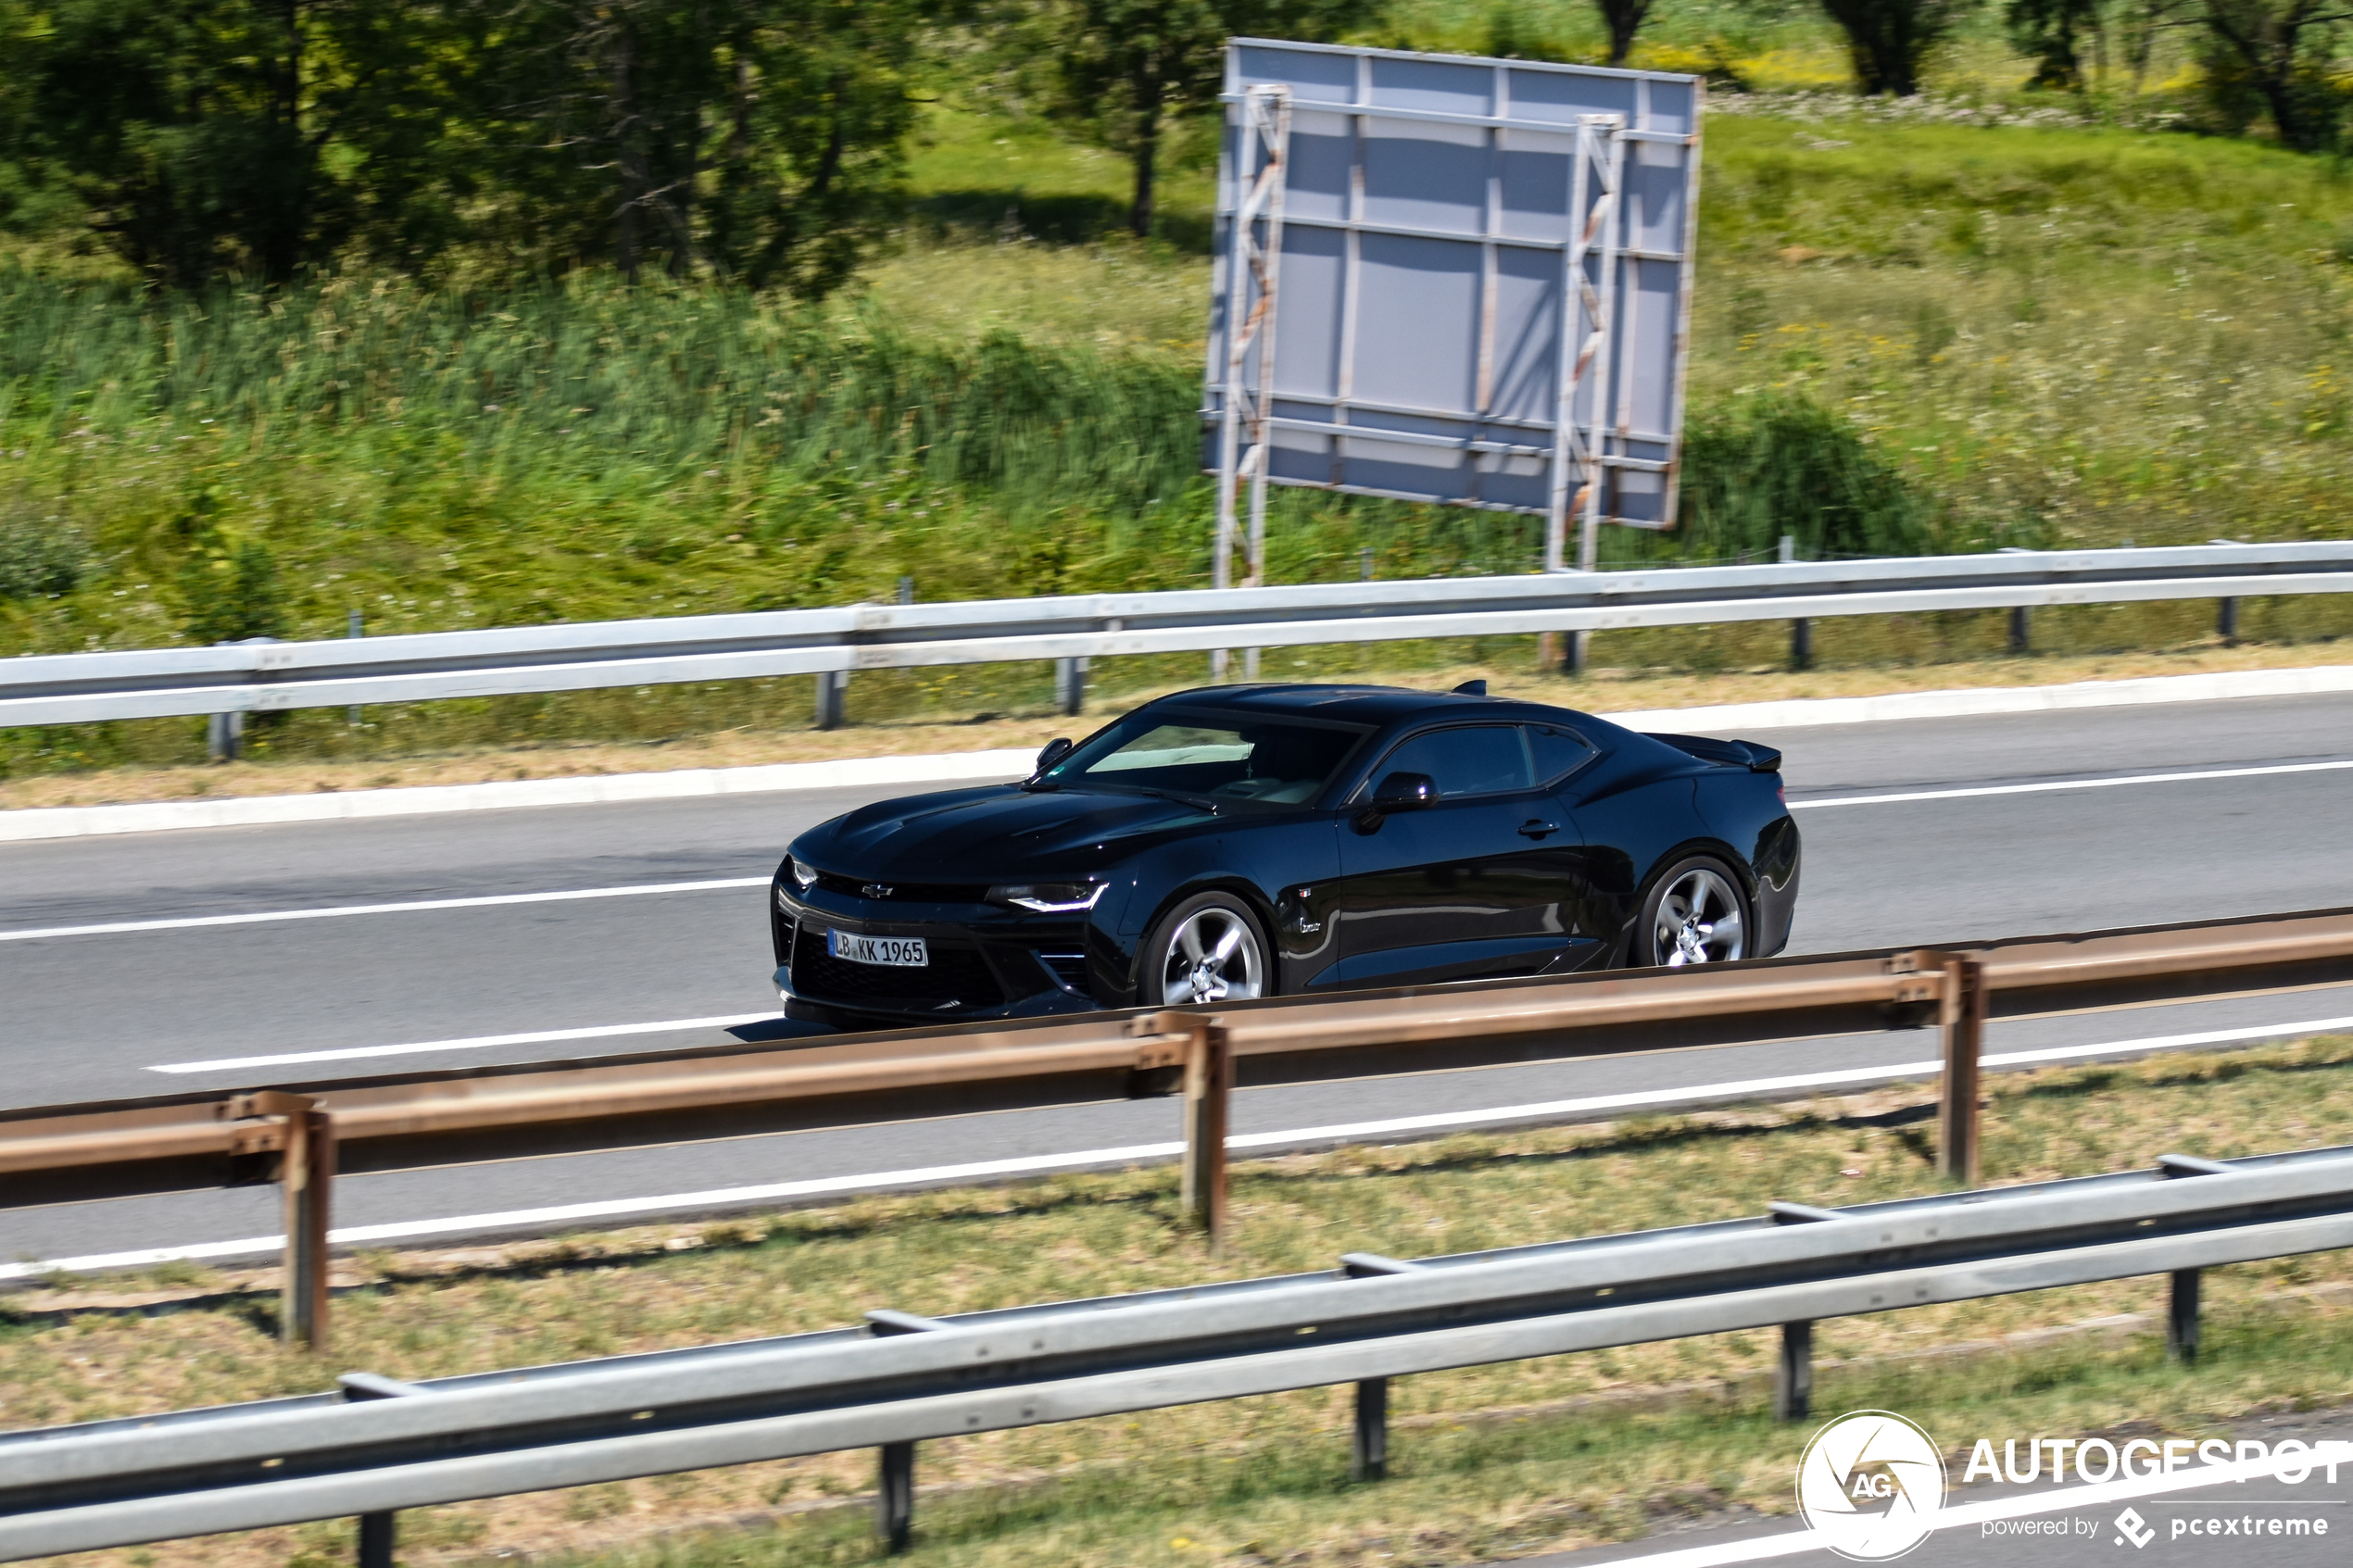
pixel 1043 1004
pixel 985 964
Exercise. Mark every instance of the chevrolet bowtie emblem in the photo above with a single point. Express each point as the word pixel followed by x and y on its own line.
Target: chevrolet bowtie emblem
pixel 877 890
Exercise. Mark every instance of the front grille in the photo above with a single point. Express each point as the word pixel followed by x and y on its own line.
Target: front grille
pixel 958 974
pixel 906 892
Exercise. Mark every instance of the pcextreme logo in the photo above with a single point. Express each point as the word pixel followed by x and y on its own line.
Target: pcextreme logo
pixel 1872 1482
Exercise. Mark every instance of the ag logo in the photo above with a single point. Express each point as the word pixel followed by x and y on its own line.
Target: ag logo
pixel 1872 1482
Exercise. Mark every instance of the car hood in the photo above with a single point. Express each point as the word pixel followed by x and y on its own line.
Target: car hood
pixel 991 834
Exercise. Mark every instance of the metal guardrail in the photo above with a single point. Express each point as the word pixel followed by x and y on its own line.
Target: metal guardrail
pixel 380 1445
pixel 301 1135
pixel 265 677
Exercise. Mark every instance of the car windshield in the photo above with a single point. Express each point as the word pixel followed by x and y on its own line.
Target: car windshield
pixel 1272 762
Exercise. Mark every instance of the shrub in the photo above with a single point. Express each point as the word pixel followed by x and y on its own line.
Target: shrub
pixel 1770 464
pixel 41 557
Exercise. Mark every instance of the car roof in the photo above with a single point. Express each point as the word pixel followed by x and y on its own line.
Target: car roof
pixel 1379 706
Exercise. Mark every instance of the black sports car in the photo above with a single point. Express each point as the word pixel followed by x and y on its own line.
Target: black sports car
pixel 1265 840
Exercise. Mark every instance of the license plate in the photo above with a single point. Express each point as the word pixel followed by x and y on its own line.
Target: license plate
pixel 898 952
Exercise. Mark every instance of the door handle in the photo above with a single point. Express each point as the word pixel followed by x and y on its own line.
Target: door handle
pixel 1535 827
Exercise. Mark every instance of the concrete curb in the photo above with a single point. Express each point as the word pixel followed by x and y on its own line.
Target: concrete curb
pixel 1974 702
pixel 78 822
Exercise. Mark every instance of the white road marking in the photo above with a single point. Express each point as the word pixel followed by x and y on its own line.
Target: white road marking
pixel 2069 784
pixel 479 1042
pixel 118 928
pixel 191 923
pixel 1039 1164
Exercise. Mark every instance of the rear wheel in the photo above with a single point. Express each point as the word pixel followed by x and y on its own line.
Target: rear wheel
pixel 1695 915
pixel 1208 948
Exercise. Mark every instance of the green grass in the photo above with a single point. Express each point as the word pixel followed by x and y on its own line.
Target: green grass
pixel 2054 333
pixel 1271 1469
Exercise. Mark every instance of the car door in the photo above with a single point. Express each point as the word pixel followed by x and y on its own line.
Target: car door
pixel 1477 884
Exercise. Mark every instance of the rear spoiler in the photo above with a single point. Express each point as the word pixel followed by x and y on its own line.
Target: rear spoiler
pixel 1737 753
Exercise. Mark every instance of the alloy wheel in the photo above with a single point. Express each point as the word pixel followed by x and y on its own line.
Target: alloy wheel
pixel 1698 921
pixel 1213 957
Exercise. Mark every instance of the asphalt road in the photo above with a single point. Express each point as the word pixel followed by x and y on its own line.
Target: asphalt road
pixel 93 1015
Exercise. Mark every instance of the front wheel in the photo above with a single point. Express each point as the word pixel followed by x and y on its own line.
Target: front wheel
pixel 1695 915
pixel 1206 950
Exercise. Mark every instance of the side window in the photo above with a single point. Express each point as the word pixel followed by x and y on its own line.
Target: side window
pixel 1483 759
pixel 1558 752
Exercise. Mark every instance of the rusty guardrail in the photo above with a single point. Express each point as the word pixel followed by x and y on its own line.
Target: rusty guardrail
pixel 301 1135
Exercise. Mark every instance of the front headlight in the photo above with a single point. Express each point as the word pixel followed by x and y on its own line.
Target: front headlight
pixel 1049 898
pixel 804 877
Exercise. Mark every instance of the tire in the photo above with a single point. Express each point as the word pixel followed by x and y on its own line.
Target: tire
pixel 1209 948
pixel 1685 917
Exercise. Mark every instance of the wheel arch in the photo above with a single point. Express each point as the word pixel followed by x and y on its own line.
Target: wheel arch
pixel 1703 844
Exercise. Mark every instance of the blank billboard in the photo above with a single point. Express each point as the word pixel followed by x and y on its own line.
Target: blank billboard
pixel 1429 219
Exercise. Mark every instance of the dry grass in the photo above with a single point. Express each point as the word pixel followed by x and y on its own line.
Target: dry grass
pixel 1604 691
pixel 1272 1470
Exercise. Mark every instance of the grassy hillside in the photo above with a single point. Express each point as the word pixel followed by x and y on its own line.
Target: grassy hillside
pixel 2059 333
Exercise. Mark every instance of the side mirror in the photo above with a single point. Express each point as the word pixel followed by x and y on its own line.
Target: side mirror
pixel 1053 752
pixel 1398 792
pixel 1406 792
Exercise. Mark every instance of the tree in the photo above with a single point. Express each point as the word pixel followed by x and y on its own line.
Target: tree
pixel 1129 66
pixel 1510 37
pixel 2052 32
pixel 1888 40
pixel 2279 52
pixel 761 139
pixel 1624 19
pixel 207 135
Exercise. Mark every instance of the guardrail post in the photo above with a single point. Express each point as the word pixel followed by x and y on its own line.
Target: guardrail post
pixel 1801 631
pixel 832 687
pixel 1368 1445
pixel 1369 1451
pixel 1793 1368
pixel 378 1532
pixel 358 627
pixel 1208 1083
pixel 1070 685
pixel 895 1496
pixel 895 1462
pixel 2181 1306
pixel 2022 628
pixel 307 1177
pixel 305 1144
pixel 2226 623
pixel 1963 1013
pixel 223 736
pixel 1794 1372
pixel 306 1148
pixel 2180 1317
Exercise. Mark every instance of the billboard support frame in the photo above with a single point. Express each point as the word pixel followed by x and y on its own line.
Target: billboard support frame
pixel 1264 154
pixel 1588 358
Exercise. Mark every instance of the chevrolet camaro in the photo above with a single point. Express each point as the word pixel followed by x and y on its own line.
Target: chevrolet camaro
pixel 1287 840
